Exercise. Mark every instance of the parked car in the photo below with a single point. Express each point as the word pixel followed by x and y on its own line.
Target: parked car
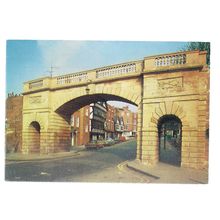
pixel 122 138
pixel 109 142
pixel 100 143
pixel 116 139
pixel 94 145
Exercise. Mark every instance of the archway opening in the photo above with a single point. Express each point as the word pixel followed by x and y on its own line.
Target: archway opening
pixel 170 139
pixel 75 104
pixel 87 125
pixel 34 138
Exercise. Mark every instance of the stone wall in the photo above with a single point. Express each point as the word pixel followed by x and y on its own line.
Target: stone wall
pixel 171 84
pixel 14 105
pixel 184 94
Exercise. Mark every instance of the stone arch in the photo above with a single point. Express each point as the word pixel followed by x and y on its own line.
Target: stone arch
pixel 31 119
pixel 150 150
pixel 34 131
pixel 124 94
pixel 170 139
pixel 67 106
pixel 169 108
pixel 70 102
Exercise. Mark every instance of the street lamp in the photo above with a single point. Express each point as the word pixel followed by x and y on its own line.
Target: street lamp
pixel 87 89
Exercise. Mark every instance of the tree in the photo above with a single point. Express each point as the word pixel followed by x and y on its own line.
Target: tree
pixel 200 46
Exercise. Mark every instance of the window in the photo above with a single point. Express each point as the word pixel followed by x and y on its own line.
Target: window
pixel 72 121
pixel 77 122
pixel 87 112
pixel 87 128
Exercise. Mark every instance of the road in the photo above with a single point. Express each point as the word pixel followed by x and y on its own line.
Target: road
pixel 103 165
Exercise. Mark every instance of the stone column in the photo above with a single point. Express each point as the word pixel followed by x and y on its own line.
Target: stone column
pixel 58 136
pixel 139 133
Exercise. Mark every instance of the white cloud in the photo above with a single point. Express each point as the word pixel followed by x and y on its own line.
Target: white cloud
pixel 59 53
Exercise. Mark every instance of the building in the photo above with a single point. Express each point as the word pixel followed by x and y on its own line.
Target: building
pixel 167 88
pixel 134 124
pixel 109 123
pixel 129 120
pixel 119 125
pixel 98 112
pixel 80 123
pixel 13 140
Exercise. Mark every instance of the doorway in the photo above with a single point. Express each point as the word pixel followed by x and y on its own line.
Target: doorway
pixel 170 138
pixel 34 141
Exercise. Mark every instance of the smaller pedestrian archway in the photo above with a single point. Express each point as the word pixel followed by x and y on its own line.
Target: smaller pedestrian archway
pixel 34 139
pixel 170 139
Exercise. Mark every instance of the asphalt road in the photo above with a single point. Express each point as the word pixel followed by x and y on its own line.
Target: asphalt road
pixel 103 165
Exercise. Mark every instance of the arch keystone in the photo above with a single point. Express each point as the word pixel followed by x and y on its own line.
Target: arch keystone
pixel 169 105
pixel 162 108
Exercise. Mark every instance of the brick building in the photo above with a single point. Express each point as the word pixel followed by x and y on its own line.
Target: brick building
pixel 134 123
pixel 130 121
pixel 101 121
pixel 98 112
pixel 80 123
pixel 119 125
pixel 109 124
pixel 13 130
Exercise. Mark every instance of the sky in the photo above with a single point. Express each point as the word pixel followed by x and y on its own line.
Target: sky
pixel 31 59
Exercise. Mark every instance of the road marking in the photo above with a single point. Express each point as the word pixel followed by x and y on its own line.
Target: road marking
pixel 45 173
pixel 121 166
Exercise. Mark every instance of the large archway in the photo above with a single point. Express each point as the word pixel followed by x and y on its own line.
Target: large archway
pixel 60 120
pixel 170 139
pixel 34 139
pixel 66 109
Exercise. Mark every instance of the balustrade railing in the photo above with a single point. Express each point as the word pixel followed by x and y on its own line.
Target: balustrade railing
pixel 170 60
pixel 116 71
pixel 73 78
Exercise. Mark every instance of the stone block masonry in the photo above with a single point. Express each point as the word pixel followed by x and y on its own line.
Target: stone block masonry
pixel 169 85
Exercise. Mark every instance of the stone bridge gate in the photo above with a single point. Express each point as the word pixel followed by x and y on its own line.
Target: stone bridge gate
pixel 175 84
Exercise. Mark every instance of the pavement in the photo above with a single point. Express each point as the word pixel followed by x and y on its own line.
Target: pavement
pixel 165 173
pixel 33 157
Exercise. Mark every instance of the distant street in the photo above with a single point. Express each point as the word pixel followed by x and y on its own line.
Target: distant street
pixel 103 165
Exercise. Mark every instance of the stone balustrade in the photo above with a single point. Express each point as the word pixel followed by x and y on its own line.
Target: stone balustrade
pixel 170 60
pixel 72 78
pixel 163 62
pixel 116 71
pixel 188 59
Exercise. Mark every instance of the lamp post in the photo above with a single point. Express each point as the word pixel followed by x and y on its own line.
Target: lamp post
pixel 87 87
pixel 87 90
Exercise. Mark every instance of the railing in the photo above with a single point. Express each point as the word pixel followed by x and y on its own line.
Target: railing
pixel 116 71
pixel 75 77
pixel 170 60
pixel 36 84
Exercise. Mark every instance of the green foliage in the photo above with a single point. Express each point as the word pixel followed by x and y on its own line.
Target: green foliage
pixel 200 46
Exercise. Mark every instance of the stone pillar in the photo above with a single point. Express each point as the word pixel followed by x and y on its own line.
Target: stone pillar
pixel 150 147
pixel 58 136
pixel 139 133
pixel 149 135
pixel 25 142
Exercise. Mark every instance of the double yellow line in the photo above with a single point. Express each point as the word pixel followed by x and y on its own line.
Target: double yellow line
pixel 120 165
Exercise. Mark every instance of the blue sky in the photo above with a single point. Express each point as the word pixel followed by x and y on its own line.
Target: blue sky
pixel 30 59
